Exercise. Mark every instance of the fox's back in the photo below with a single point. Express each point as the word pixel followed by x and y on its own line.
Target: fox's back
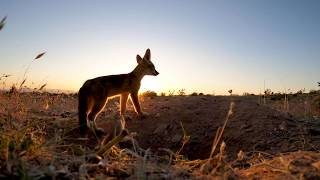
pixel 111 85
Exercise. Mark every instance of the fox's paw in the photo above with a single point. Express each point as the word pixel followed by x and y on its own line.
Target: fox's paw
pixel 143 115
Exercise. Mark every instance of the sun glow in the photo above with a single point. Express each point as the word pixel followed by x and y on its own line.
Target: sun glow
pixel 150 83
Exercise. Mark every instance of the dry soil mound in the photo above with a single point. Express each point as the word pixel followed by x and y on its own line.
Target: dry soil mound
pixel 252 127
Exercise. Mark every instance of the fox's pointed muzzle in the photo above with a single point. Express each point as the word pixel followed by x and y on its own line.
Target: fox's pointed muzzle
pixel 156 73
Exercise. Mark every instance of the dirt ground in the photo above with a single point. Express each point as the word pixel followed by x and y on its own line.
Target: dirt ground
pixel 253 128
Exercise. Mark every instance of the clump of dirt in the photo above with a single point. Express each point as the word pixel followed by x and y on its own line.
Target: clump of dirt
pixel 252 127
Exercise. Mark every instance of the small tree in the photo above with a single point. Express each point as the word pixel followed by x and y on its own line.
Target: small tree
pixel 162 94
pixel 246 94
pixel 181 92
pixel 194 94
pixel 149 94
pixel 171 92
pixel 268 92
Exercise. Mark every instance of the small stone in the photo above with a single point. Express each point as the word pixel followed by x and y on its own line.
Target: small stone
pixel 160 129
pixel 176 138
pixel 283 126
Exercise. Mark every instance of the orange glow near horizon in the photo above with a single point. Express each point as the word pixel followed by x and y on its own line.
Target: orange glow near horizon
pixel 208 47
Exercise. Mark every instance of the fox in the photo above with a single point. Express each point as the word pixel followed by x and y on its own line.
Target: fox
pixel 94 93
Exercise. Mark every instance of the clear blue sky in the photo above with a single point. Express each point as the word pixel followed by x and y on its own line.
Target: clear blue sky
pixel 205 46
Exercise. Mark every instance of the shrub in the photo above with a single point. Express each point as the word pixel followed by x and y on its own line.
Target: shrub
pixel 316 102
pixel 149 94
pixel 13 90
pixel 162 94
pixel 171 92
pixel 312 91
pixel 276 97
pixel 194 94
pixel 181 92
pixel 246 94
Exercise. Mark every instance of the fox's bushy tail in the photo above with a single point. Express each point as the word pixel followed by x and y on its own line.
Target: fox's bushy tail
pixel 82 111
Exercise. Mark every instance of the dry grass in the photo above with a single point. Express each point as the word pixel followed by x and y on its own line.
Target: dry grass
pixel 3 22
pixel 36 148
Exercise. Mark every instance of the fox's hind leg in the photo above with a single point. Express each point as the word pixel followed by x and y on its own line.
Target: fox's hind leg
pixel 123 107
pixel 96 109
pixel 84 108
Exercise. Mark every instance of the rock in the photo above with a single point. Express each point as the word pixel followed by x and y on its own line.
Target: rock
pixel 160 129
pixel 244 126
pixel 283 126
pixel 176 138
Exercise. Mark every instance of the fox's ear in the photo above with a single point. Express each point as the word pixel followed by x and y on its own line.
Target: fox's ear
pixel 147 55
pixel 139 59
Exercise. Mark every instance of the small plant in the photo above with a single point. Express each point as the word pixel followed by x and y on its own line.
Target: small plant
pixel 3 22
pixel 246 94
pixel 312 91
pixel 268 92
pixel 171 93
pixel 13 90
pixel 215 164
pixel 181 92
pixel 220 130
pixel 194 94
pixel 317 102
pixel 276 97
pixel 3 78
pixel 162 94
pixel 149 94
pixel 42 87
pixel 29 65
pixel 186 138
pixel 286 102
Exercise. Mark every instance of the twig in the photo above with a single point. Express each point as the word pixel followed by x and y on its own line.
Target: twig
pixel 217 139
pixel 104 149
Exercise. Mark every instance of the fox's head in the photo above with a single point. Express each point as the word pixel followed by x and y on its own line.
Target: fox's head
pixel 145 64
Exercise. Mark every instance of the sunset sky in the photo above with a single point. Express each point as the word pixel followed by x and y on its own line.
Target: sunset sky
pixel 205 46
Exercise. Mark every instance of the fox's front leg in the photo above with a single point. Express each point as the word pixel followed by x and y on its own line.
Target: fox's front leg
pixel 136 104
pixel 123 107
pixel 123 103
